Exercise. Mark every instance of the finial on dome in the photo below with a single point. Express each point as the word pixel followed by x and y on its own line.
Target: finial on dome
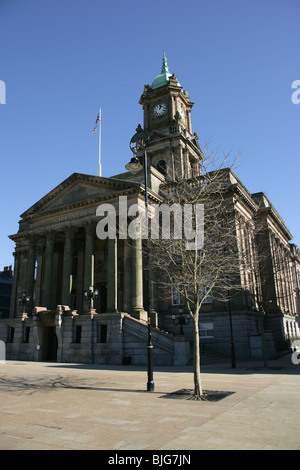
pixel 163 78
pixel 165 68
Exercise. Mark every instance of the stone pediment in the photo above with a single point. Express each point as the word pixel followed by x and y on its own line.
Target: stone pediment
pixel 77 190
pixel 158 135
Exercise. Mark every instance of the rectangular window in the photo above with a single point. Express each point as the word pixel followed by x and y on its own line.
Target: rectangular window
pixel 175 293
pixel 10 334
pixel 102 333
pixel 25 333
pixel 207 329
pixel 77 333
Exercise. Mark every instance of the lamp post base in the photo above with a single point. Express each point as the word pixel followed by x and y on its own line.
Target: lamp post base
pixel 150 383
pixel 150 386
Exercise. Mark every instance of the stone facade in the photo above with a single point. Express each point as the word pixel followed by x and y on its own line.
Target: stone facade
pixel 58 256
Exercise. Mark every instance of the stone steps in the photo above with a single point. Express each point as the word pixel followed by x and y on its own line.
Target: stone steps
pixel 208 356
pixel 139 329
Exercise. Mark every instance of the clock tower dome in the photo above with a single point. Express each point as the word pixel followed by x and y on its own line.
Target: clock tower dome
pixel 172 148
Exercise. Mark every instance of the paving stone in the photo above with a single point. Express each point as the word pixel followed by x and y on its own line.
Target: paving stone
pixel 76 406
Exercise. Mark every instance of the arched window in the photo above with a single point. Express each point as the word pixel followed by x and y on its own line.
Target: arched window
pixel 162 167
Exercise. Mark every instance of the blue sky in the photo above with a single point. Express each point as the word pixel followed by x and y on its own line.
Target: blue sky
pixel 63 59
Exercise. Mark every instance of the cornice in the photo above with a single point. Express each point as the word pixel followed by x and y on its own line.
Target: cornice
pixel 237 187
pixel 275 216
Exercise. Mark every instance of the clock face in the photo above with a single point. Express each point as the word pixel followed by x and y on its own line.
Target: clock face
pixel 159 109
pixel 181 112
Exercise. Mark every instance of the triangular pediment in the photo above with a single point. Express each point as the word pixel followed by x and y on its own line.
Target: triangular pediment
pixel 79 189
pixel 156 135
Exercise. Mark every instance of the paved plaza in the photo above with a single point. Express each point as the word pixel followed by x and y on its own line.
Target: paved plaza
pixel 53 406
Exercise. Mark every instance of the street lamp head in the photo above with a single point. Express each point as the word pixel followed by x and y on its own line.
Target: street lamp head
pixel 134 166
pixel 140 138
pixel 24 299
pixel 137 142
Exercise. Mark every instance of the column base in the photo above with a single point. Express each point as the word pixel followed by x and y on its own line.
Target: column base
pixel 154 318
pixel 139 314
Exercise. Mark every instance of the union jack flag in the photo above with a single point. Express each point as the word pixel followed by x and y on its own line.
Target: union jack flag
pixel 97 120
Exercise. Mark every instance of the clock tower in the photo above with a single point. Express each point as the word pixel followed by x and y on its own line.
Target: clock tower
pixel 172 148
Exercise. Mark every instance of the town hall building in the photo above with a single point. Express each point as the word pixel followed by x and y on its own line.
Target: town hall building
pixel 78 298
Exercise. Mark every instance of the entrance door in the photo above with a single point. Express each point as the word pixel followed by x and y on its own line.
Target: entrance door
pixel 49 344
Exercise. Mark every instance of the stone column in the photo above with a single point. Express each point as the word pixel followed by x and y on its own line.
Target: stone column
pixel 14 293
pixel 67 267
pixel 21 280
pixel 29 284
pixel 127 278
pixel 47 288
pixel 137 279
pixel 153 297
pixel 112 281
pixel 88 275
pixel 38 280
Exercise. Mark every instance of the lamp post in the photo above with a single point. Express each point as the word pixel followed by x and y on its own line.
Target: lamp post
pixel 23 301
pixel 139 142
pixel 90 295
pixel 181 320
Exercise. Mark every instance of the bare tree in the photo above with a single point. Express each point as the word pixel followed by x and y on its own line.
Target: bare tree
pixel 197 257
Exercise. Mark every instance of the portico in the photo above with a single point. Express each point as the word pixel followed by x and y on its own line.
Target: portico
pixel 58 255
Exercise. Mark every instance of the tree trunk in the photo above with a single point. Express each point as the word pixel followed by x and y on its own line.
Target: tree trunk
pixel 197 376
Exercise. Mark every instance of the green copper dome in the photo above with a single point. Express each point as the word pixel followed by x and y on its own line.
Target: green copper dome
pixel 163 78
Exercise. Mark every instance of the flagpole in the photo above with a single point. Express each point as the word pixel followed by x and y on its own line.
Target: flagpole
pixel 99 160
